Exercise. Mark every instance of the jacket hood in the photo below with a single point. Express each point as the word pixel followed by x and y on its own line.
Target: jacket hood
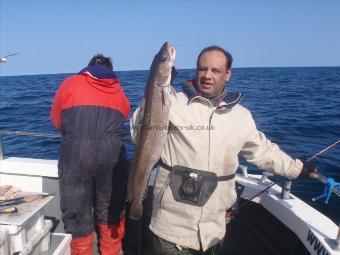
pixel 102 78
pixel 226 100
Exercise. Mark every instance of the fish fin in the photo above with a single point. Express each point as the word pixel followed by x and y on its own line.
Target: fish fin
pixel 136 211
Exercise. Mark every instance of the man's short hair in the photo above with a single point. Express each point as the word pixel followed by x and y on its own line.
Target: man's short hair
pixel 100 59
pixel 227 55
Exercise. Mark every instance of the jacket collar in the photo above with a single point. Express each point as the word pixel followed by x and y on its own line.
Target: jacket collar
pixel 102 78
pixel 226 100
pixel 99 71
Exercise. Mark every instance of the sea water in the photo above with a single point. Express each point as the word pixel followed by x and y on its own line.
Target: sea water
pixel 297 108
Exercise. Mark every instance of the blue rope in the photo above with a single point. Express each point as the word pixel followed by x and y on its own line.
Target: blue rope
pixel 330 187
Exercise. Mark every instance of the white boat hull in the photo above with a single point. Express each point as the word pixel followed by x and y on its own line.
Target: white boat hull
pixel 316 232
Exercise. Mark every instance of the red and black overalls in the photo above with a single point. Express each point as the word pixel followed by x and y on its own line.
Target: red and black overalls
pixel 89 109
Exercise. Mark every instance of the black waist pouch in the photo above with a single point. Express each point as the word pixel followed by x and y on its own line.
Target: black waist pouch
pixel 191 186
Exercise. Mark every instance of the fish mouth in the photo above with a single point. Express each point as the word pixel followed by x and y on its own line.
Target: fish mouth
pixel 172 53
pixel 165 65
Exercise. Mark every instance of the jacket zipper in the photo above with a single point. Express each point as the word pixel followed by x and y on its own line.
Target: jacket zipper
pixel 209 126
pixel 163 192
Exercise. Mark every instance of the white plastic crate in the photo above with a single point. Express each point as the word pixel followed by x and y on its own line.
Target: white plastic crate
pixel 63 247
pixel 38 241
pixel 22 234
pixel 41 242
pixel 4 242
pixel 27 227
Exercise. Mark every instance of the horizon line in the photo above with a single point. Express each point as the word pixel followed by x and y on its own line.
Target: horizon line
pixel 141 70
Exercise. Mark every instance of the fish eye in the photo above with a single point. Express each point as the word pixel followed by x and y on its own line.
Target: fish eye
pixel 163 59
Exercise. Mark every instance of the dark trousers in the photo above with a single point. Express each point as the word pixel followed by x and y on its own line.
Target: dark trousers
pixel 163 247
pixel 92 193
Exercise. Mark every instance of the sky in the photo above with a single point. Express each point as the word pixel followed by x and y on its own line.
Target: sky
pixel 58 36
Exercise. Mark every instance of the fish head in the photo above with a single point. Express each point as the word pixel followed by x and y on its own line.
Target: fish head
pixel 162 65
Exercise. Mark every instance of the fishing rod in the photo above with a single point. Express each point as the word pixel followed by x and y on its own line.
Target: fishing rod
pixel 316 156
pixel 330 185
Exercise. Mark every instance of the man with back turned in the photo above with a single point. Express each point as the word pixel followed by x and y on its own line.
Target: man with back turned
pixel 195 182
pixel 89 109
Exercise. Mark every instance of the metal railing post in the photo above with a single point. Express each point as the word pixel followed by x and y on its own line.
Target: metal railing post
pixel 265 176
pixel 244 170
pixel 337 241
pixel 1 150
pixel 285 193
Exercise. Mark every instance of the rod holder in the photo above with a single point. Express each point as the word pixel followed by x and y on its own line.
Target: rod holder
pixel 285 193
pixel 244 170
pixel 265 176
pixel 335 243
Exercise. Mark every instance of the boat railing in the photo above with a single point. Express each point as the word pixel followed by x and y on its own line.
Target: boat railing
pixel 23 133
pixel 285 187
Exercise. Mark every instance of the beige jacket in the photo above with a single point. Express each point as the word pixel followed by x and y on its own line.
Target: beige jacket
pixel 232 133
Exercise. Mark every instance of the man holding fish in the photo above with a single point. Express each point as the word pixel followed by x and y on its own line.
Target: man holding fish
pixel 206 130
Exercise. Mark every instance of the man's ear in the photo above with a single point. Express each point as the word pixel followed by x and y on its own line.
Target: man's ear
pixel 228 74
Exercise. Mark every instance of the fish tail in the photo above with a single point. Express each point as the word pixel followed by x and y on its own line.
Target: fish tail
pixel 136 211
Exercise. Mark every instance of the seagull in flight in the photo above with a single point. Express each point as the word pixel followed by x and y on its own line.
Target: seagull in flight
pixel 4 59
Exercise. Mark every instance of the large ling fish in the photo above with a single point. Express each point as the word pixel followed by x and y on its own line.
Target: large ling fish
pixel 154 127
